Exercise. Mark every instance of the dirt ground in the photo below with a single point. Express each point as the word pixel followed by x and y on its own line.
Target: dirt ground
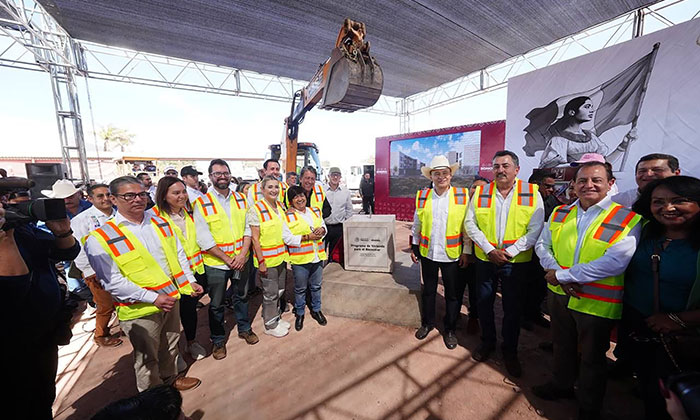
pixel 348 369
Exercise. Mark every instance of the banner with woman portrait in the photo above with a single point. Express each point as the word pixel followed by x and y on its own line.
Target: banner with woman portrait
pixel 622 102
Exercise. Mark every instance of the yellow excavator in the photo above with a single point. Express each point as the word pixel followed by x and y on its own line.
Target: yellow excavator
pixel 350 79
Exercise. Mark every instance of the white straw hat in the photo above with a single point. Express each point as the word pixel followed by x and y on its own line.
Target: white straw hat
pixel 439 162
pixel 61 189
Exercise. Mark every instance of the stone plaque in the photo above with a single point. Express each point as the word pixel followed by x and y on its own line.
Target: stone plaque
pixel 369 243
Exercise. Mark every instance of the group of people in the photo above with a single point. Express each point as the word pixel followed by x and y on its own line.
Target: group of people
pixel 628 260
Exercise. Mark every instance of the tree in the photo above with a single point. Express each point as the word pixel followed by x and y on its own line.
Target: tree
pixel 113 137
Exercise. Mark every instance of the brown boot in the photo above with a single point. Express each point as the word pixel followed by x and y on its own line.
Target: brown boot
pixel 183 383
pixel 108 341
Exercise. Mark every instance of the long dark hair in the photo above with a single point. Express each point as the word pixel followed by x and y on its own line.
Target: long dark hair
pixel 684 186
pixel 572 105
pixel 162 191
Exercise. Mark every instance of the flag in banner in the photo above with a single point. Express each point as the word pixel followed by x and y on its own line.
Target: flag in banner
pixel 619 102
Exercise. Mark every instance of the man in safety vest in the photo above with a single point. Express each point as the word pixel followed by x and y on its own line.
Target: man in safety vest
pixel 219 218
pixel 585 248
pixel 271 167
pixel 315 193
pixel 142 264
pixel 439 242
pixel 504 220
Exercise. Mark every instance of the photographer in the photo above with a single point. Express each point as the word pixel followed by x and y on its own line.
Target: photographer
pixel 34 312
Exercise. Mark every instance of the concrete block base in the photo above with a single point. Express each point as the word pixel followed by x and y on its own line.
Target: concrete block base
pixel 393 298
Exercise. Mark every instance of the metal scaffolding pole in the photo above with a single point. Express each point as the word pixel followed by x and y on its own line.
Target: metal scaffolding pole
pixel 54 51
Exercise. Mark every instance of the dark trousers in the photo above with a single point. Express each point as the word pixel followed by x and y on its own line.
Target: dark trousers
pixel 572 332
pixel 32 368
pixel 649 360
pixel 535 290
pixel 217 279
pixel 367 204
pixel 188 309
pixel 472 290
pixel 512 278
pixel 454 291
pixel 335 234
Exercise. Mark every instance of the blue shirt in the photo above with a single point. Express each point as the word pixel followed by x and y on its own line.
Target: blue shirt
pixel 83 205
pixel 677 274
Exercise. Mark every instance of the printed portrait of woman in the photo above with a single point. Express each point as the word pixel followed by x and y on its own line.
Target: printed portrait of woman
pixel 569 142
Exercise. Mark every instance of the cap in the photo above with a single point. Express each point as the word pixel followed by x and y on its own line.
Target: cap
pixel 189 170
pixel 589 157
pixel 334 170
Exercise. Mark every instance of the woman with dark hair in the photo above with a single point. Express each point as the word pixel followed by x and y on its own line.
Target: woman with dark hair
pixel 173 205
pixel 569 142
pixel 662 285
pixel 303 236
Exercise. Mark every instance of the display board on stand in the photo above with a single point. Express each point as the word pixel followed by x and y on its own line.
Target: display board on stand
pixel 400 157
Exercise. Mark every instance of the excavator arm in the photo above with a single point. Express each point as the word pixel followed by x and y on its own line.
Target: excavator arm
pixel 350 79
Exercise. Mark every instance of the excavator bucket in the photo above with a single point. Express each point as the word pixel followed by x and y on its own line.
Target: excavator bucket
pixel 353 82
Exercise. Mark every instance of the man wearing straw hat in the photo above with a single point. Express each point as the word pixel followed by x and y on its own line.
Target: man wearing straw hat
pixel 439 242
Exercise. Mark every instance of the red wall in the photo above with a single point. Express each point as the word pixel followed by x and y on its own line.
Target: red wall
pixel 492 140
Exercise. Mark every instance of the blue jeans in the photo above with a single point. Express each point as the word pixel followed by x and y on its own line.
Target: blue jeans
pixel 217 279
pixel 307 275
pixel 513 278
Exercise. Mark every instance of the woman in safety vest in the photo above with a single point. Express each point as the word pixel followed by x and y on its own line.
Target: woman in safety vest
pixel 303 235
pixel 172 204
pixel 265 218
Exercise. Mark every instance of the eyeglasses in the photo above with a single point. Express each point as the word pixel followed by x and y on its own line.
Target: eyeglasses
pixel 220 174
pixel 132 196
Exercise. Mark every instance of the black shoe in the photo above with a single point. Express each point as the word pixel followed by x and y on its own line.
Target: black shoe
pixel 588 415
pixel 299 323
pixel 513 365
pixel 423 332
pixel 551 392
pixel 450 340
pixel 318 316
pixel 483 352
pixel 541 321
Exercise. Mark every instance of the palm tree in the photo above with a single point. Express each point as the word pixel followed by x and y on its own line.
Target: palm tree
pixel 113 137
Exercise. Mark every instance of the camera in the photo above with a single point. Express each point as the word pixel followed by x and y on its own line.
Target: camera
pixel 17 214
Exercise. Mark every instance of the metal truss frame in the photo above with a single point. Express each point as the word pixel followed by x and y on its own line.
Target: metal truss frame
pixel 621 29
pixel 27 25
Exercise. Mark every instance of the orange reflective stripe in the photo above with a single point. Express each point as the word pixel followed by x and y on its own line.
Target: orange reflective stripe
pixel 291 215
pixel 273 251
pixel 460 196
pixel 180 274
pixel 561 213
pixel 484 200
pixel 423 197
pixel 264 212
pixel 316 211
pixel 162 224
pixel 116 240
pixel 525 198
pixel 453 241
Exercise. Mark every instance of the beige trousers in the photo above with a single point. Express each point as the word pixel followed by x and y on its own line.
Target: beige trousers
pixel 155 339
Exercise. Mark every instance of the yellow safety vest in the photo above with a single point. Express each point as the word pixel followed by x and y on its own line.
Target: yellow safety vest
pixel 522 207
pixel 189 243
pixel 317 197
pixel 601 298
pixel 258 194
pixel 227 231
pixel 137 264
pixel 274 252
pixel 457 210
pixel 304 253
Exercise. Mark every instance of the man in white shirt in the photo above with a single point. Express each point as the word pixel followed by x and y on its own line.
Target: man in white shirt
pixel 440 243
pixel 341 209
pixel 149 316
pixel 585 248
pixel 649 168
pixel 504 220
pixel 190 176
pixel 147 182
pixel 271 167
pixel 82 225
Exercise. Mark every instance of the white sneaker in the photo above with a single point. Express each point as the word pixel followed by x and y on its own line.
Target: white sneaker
pixel 278 331
pixel 196 351
pixel 284 323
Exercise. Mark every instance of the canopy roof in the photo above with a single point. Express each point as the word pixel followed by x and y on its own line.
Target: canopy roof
pixel 420 44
